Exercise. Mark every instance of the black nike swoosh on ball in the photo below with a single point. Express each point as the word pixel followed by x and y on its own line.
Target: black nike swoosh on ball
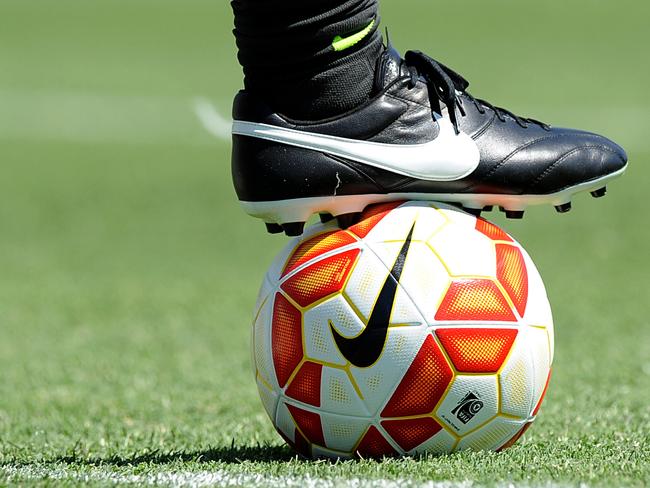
pixel 364 350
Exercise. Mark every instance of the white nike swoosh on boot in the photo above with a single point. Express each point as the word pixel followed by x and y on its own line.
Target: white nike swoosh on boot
pixel 448 157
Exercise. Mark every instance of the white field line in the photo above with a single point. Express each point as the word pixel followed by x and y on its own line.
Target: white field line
pixel 198 479
pixel 212 120
pixel 109 118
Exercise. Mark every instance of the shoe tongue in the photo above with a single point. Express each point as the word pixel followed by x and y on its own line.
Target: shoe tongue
pixel 390 67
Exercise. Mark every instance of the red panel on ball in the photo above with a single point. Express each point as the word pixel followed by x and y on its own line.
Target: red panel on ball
pixel 322 279
pixel 286 339
pixel 475 299
pixel 372 216
pixel 374 445
pixel 491 230
pixel 317 246
pixel 305 387
pixel 410 433
pixel 512 274
pixel 423 384
pixel 309 424
pixel 477 350
pixel 300 445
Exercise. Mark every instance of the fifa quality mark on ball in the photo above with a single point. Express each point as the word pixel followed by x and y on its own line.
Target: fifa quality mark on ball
pixel 468 407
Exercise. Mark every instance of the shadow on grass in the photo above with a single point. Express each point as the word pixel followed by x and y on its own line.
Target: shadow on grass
pixel 232 454
pixel 229 455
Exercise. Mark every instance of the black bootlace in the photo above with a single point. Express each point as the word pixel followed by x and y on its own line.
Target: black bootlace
pixel 447 85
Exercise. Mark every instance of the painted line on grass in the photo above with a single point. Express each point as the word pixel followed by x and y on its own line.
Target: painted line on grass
pixel 212 120
pixel 84 117
pixel 206 478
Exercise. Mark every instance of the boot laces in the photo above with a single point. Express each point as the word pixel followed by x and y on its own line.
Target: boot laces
pixel 447 86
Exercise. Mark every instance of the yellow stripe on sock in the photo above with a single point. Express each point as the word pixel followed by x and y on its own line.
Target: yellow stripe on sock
pixel 341 44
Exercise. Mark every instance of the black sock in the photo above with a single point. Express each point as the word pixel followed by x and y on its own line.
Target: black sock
pixel 286 51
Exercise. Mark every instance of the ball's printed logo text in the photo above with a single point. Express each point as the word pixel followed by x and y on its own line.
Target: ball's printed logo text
pixel 468 407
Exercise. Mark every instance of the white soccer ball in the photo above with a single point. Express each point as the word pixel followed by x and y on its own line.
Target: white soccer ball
pixel 420 329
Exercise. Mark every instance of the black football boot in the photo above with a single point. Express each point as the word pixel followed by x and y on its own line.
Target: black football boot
pixel 422 136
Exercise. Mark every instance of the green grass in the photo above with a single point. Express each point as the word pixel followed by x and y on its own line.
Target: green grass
pixel 128 273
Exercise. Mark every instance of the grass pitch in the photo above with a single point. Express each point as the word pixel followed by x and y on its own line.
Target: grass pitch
pixel 128 272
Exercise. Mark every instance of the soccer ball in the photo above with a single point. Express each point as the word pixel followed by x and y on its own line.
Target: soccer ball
pixel 420 329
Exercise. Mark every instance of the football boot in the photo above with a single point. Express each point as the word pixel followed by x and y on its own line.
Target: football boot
pixel 421 136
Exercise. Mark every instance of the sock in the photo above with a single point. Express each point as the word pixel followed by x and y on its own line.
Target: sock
pixel 308 59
